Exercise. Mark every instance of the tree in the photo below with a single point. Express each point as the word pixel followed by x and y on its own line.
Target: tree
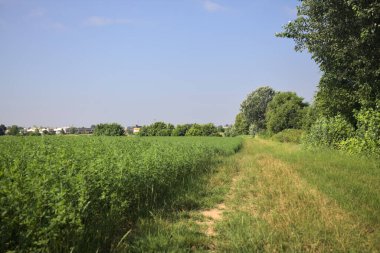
pixel 72 130
pixel 157 129
pixel 203 130
pixel 255 105
pixel 285 111
pixel 209 130
pixel 343 37
pixel 181 130
pixel 113 129
pixel 14 130
pixel 195 130
pixel 241 124
pixel 2 129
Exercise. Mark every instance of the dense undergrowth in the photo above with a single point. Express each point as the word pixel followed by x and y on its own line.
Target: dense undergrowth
pixel 83 194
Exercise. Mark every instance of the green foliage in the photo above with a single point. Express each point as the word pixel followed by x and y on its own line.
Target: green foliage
pixel 2 129
pixel 181 130
pixel 241 124
pixel 14 130
pixel 255 106
pixel 202 130
pixel 253 130
pixel 285 111
pixel 72 130
pixel 82 194
pixel 309 116
pixel 367 136
pixel 157 129
pixel 343 38
pixel 289 135
pixel 230 132
pixel 113 129
pixel 329 132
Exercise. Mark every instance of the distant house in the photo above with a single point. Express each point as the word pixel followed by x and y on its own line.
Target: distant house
pixel 32 130
pixel 85 130
pixel 136 129
pixel 59 130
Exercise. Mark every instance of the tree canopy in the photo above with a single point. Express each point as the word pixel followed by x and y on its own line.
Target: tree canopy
pixel 285 111
pixel 157 129
pixel 113 129
pixel 343 37
pixel 255 106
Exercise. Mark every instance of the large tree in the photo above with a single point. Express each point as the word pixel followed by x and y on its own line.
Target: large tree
pixel 343 37
pixel 255 105
pixel 285 111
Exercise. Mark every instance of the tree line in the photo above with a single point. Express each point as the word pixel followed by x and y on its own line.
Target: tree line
pixel 343 38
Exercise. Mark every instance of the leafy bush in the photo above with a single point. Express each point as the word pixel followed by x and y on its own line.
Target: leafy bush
pixel 289 135
pixel 329 132
pixel 367 135
pixel 113 129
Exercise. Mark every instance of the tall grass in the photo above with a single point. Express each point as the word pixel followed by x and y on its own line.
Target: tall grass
pixel 83 194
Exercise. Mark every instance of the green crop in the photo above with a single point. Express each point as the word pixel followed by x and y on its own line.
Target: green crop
pixel 82 194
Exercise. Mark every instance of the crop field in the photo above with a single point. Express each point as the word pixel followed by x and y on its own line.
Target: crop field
pixel 83 194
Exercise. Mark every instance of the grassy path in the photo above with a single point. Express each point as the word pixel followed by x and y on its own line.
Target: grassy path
pixel 274 207
pixel 273 197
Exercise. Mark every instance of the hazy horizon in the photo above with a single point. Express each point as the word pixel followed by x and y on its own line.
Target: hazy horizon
pixel 136 62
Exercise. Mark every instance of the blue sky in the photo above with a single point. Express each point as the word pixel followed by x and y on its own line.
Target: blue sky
pixel 84 62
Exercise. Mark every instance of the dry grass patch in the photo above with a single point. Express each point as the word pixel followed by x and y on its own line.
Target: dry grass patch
pixel 273 209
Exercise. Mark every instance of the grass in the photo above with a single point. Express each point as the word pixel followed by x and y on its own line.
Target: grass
pixel 178 228
pixel 279 198
pixel 293 200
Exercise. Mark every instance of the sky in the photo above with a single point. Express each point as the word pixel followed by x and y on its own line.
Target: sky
pixel 78 63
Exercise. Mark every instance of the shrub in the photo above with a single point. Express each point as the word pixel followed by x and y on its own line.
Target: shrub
pixel 289 135
pixel 329 132
pixel 367 135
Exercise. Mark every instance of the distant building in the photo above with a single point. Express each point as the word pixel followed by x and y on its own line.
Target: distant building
pixel 59 130
pixel 85 130
pixel 136 129
pixel 133 129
